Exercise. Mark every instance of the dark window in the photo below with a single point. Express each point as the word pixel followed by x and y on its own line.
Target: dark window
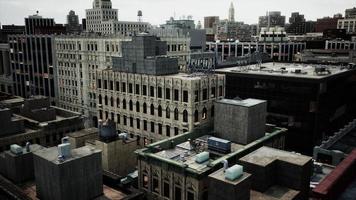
pixel 155 184
pixel 159 111
pixel 159 92
pixel 190 195
pixel 118 118
pixel 137 106
pixel 111 102
pixel 144 90
pixel 168 113
pixel 213 92
pixel 145 108
pixel 160 129
pixel 176 95
pixel 177 193
pixel 185 96
pixel 168 131
pixel 176 131
pixel 152 91
pixel 125 120
pixel 131 122
pixel 99 83
pixel 185 116
pixel 106 100
pixel 118 102
pixel 204 113
pixel 168 93
pixel 100 99
pixel 131 105
pixel 166 189
pixel 130 88
pixel 152 127
pixel 145 125
pixel 117 86
pixel 124 104
pixel 212 111
pixel 123 89
pixel 111 85
pixel 152 110
pixel 138 123
pixel 137 89
pixel 105 84
pixel 176 114
pixel 196 116
pixel 205 94
pixel 220 91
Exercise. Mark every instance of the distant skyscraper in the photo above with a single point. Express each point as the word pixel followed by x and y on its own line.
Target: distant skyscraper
pixel 102 18
pixel 272 19
pixel 36 24
pixel 231 13
pixel 73 22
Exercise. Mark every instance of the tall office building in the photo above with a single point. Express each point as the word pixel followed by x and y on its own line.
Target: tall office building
pixel 78 58
pixel 349 23
pixel 146 96
pixel 73 25
pixel 36 24
pixel 272 19
pixel 103 18
pixel 350 13
pixel 5 70
pixel 231 13
pixel 32 63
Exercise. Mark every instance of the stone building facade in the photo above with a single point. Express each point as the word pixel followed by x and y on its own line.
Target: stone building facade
pixel 157 107
pixel 78 58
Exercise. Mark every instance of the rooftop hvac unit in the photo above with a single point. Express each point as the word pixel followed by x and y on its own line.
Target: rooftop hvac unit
pixel 123 136
pixel 64 150
pixel 202 157
pixel 219 145
pixel 234 172
pixel 16 149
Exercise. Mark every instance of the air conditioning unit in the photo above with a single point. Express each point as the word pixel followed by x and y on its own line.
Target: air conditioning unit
pixel 16 149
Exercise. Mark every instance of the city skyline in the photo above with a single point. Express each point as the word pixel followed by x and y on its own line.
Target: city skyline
pixel 128 10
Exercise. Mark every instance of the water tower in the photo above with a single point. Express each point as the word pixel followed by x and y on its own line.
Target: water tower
pixel 139 16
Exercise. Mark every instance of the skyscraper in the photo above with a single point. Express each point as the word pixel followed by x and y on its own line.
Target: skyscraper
pixel 73 25
pixel 231 13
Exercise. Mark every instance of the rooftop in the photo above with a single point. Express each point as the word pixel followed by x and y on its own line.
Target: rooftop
pixel 244 103
pixel 275 192
pixel 220 175
pixel 84 132
pixel 287 70
pixel 266 155
pixel 51 154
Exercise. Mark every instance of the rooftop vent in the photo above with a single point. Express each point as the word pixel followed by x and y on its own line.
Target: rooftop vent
pixel 202 157
pixel 64 151
pixel 16 149
pixel 234 172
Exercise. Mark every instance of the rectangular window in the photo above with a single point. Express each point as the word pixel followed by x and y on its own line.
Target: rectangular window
pixel 177 193
pixel 190 195
pixel 159 92
pixel 152 127
pixel 105 84
pixel 125 120
pixel 99 83
pixel 123 89
pixel 144 90
pixel 168 93
pixel 166 189
pixel 137 89
pixel 205 94
pixel 152 91
pixel 117 86
pixel 185 96
pixel 131 122
pixel 176 95
pixel 213 92
pixel 220 91
pixel 160 129
pixel 130 88
pixel 196 96
pixel 138 123
pixel 168 131
pixel 118 118
pixel 111 85
pixel 155 184
pixel 145 125
pixel 176 131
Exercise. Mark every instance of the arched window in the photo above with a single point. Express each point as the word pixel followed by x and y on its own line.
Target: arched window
pixel 168 113
pixel 152 109
pixel 159 111
pixel 212 111
pixel 204 113
pixel 130 105
pixel 118 102
pixel 112 102
pixel 124 104
pixel 137 106
pixel 100 99
pixel 144 108
pixel 176 114
pixel 196 116
pixel 106 100
pixel 185 116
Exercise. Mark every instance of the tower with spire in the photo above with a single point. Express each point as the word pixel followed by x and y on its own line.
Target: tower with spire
pixel 231 13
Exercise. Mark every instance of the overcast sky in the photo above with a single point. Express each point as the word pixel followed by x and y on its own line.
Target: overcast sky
pixel 157 11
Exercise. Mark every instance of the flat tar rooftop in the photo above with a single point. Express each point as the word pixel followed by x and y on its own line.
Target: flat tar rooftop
pixel 51 154
pixel 287 70
pixel 244 103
